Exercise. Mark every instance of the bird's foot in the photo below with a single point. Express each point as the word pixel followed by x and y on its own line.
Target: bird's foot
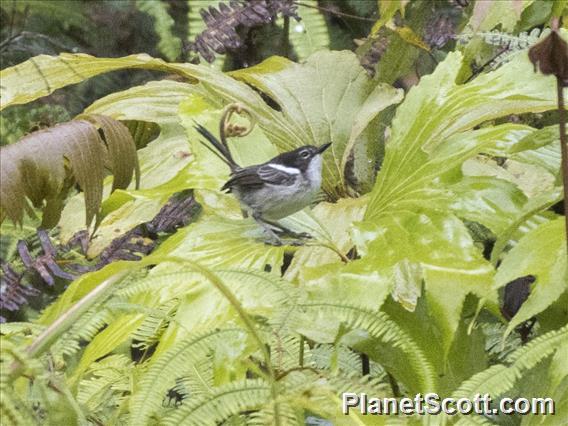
pixel 277 241
pixel 297 235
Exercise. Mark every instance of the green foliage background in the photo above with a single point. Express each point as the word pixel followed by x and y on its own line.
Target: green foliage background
pixel 437 192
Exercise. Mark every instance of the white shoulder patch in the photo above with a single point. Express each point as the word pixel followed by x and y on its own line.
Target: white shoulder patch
pixel 290 170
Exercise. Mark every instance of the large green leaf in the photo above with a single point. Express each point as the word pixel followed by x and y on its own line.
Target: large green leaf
pixel 529 217
pixel 45 73
pixel 444 112
pixel 329 98
pixel 407 216
pixel 492 202
pixel 452 266
pixel 225 242
pixel 156 101
pixel 339 93
pixel 332 223
pixel 541 253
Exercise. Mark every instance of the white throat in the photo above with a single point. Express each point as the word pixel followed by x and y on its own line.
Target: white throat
pixel 313 172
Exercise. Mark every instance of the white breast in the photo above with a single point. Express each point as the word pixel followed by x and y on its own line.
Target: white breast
pixel 277 202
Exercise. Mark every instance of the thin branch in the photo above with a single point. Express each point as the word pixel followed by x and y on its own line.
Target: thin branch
pixel 563 148
pixel 286 37
pixel 335 12
pixel 485 65
pixel 245 318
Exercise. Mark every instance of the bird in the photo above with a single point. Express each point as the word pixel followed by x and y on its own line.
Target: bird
pixel 275 189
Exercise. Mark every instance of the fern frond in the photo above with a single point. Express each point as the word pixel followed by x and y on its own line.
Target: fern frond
pixel 311 33
pixel 244 283
pixel 199 381
pixel 285 350
pixel 288 414
pixel 225 402
pixel 498 379
pixel 13 408
pixel 174 363
pixel 511 41
pixel 381 327
pixel 14 411
pixel 354 383
pixel 154 325
pixel 169 44
pixel 321 357
pixel 84 330
pixel 26 328
pixel 111 378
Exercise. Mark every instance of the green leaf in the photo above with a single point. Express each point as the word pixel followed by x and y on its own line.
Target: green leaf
pixel 44 165
pixel 332 223
pixel 532 180
pixel 169 45
pixel 387 10
pixel 45 73
pixel 498 379
pixel 542 253
pixel 492 202
pixel 328 98
pixel 225 242
pixel 311 33
pixel 532 215
pixel 156 101
pixel 540 148
pixel 107 341
pixel 487 15
pixel 445 110
pixel 446 253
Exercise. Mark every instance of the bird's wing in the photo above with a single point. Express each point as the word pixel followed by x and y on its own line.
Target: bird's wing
pixel 256 176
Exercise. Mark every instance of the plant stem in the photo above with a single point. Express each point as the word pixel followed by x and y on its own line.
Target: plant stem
pixel 65 321
pixel 394 385
pixel 286 37
pixel 217 283
pixel 563 149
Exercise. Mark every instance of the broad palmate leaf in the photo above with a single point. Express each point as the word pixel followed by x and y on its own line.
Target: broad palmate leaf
pixel 408 216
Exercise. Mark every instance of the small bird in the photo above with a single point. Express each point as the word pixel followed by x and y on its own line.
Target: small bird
pixel 273 190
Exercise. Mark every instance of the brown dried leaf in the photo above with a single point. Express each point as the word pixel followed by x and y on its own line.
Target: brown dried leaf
pixel 44 165
pixel 551 56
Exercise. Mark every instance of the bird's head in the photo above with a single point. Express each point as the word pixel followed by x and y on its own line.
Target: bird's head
pixel 302 157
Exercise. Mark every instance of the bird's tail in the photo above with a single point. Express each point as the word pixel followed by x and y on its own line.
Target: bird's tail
pixel 221 149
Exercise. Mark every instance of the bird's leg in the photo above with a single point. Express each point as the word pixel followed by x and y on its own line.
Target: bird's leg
pixel 283 230
pixel 274 239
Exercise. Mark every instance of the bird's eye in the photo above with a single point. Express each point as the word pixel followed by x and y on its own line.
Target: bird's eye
pixel 304 154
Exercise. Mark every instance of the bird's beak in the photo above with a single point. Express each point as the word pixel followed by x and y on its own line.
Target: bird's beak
pixel 322 148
